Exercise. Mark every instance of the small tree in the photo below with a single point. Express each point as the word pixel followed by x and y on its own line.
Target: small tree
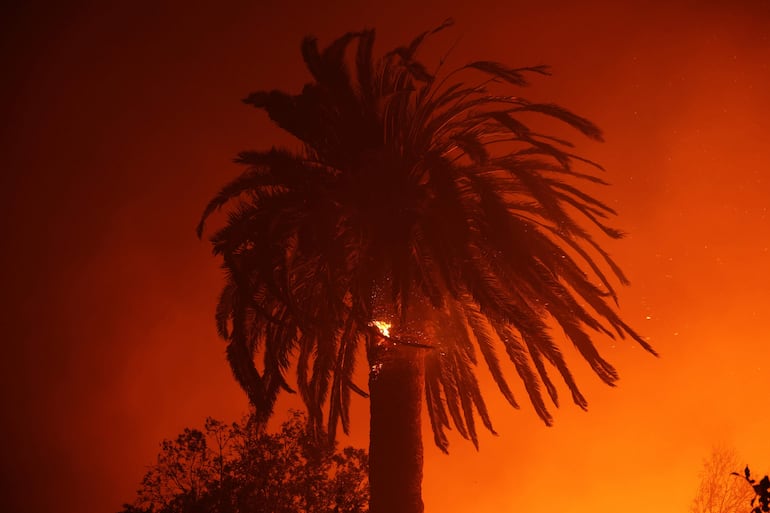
pixel 234 468
pixel 719 491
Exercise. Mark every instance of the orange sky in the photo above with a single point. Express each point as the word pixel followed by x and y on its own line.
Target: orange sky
pixel 120 124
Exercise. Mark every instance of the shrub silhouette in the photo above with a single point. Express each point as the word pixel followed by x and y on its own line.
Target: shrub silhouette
pixel 761 500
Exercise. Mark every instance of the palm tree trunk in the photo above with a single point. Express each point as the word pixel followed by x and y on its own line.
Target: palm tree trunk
pixel 395 437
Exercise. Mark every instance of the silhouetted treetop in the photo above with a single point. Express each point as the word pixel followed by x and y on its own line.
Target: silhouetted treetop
pixel 425 198
pixel 235 468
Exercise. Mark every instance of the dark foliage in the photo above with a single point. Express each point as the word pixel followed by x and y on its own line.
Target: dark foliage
pixel 236 469
pixel 428 200
pixel 760 503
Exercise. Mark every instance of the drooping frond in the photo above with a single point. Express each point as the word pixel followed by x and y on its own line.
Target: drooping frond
pixel 437 193
pixel 514 76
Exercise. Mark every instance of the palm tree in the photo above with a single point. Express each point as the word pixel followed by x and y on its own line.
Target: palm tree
pixel 425 223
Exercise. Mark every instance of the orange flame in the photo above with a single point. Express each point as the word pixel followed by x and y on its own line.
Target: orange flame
pixel 382 326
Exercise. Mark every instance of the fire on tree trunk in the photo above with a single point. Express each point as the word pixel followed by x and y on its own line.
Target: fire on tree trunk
pixel 395 439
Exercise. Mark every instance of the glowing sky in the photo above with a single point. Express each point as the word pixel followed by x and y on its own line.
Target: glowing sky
pixel 120 122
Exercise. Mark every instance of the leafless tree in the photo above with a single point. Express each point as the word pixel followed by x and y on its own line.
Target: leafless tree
pixel 720 491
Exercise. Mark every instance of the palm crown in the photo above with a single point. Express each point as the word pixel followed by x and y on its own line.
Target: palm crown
pixel 425 199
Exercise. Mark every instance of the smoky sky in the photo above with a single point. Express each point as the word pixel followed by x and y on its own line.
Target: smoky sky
pixel 121 120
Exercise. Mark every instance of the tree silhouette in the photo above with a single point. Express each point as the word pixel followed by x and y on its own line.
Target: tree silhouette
pixel 760 502
pixel 236 468
pixel 426 222
pixel 718 490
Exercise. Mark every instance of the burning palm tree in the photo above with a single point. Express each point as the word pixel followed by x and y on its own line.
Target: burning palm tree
pixel 425 224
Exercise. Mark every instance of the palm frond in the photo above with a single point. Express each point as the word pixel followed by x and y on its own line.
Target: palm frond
pixel 580 123
pixel 514 76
